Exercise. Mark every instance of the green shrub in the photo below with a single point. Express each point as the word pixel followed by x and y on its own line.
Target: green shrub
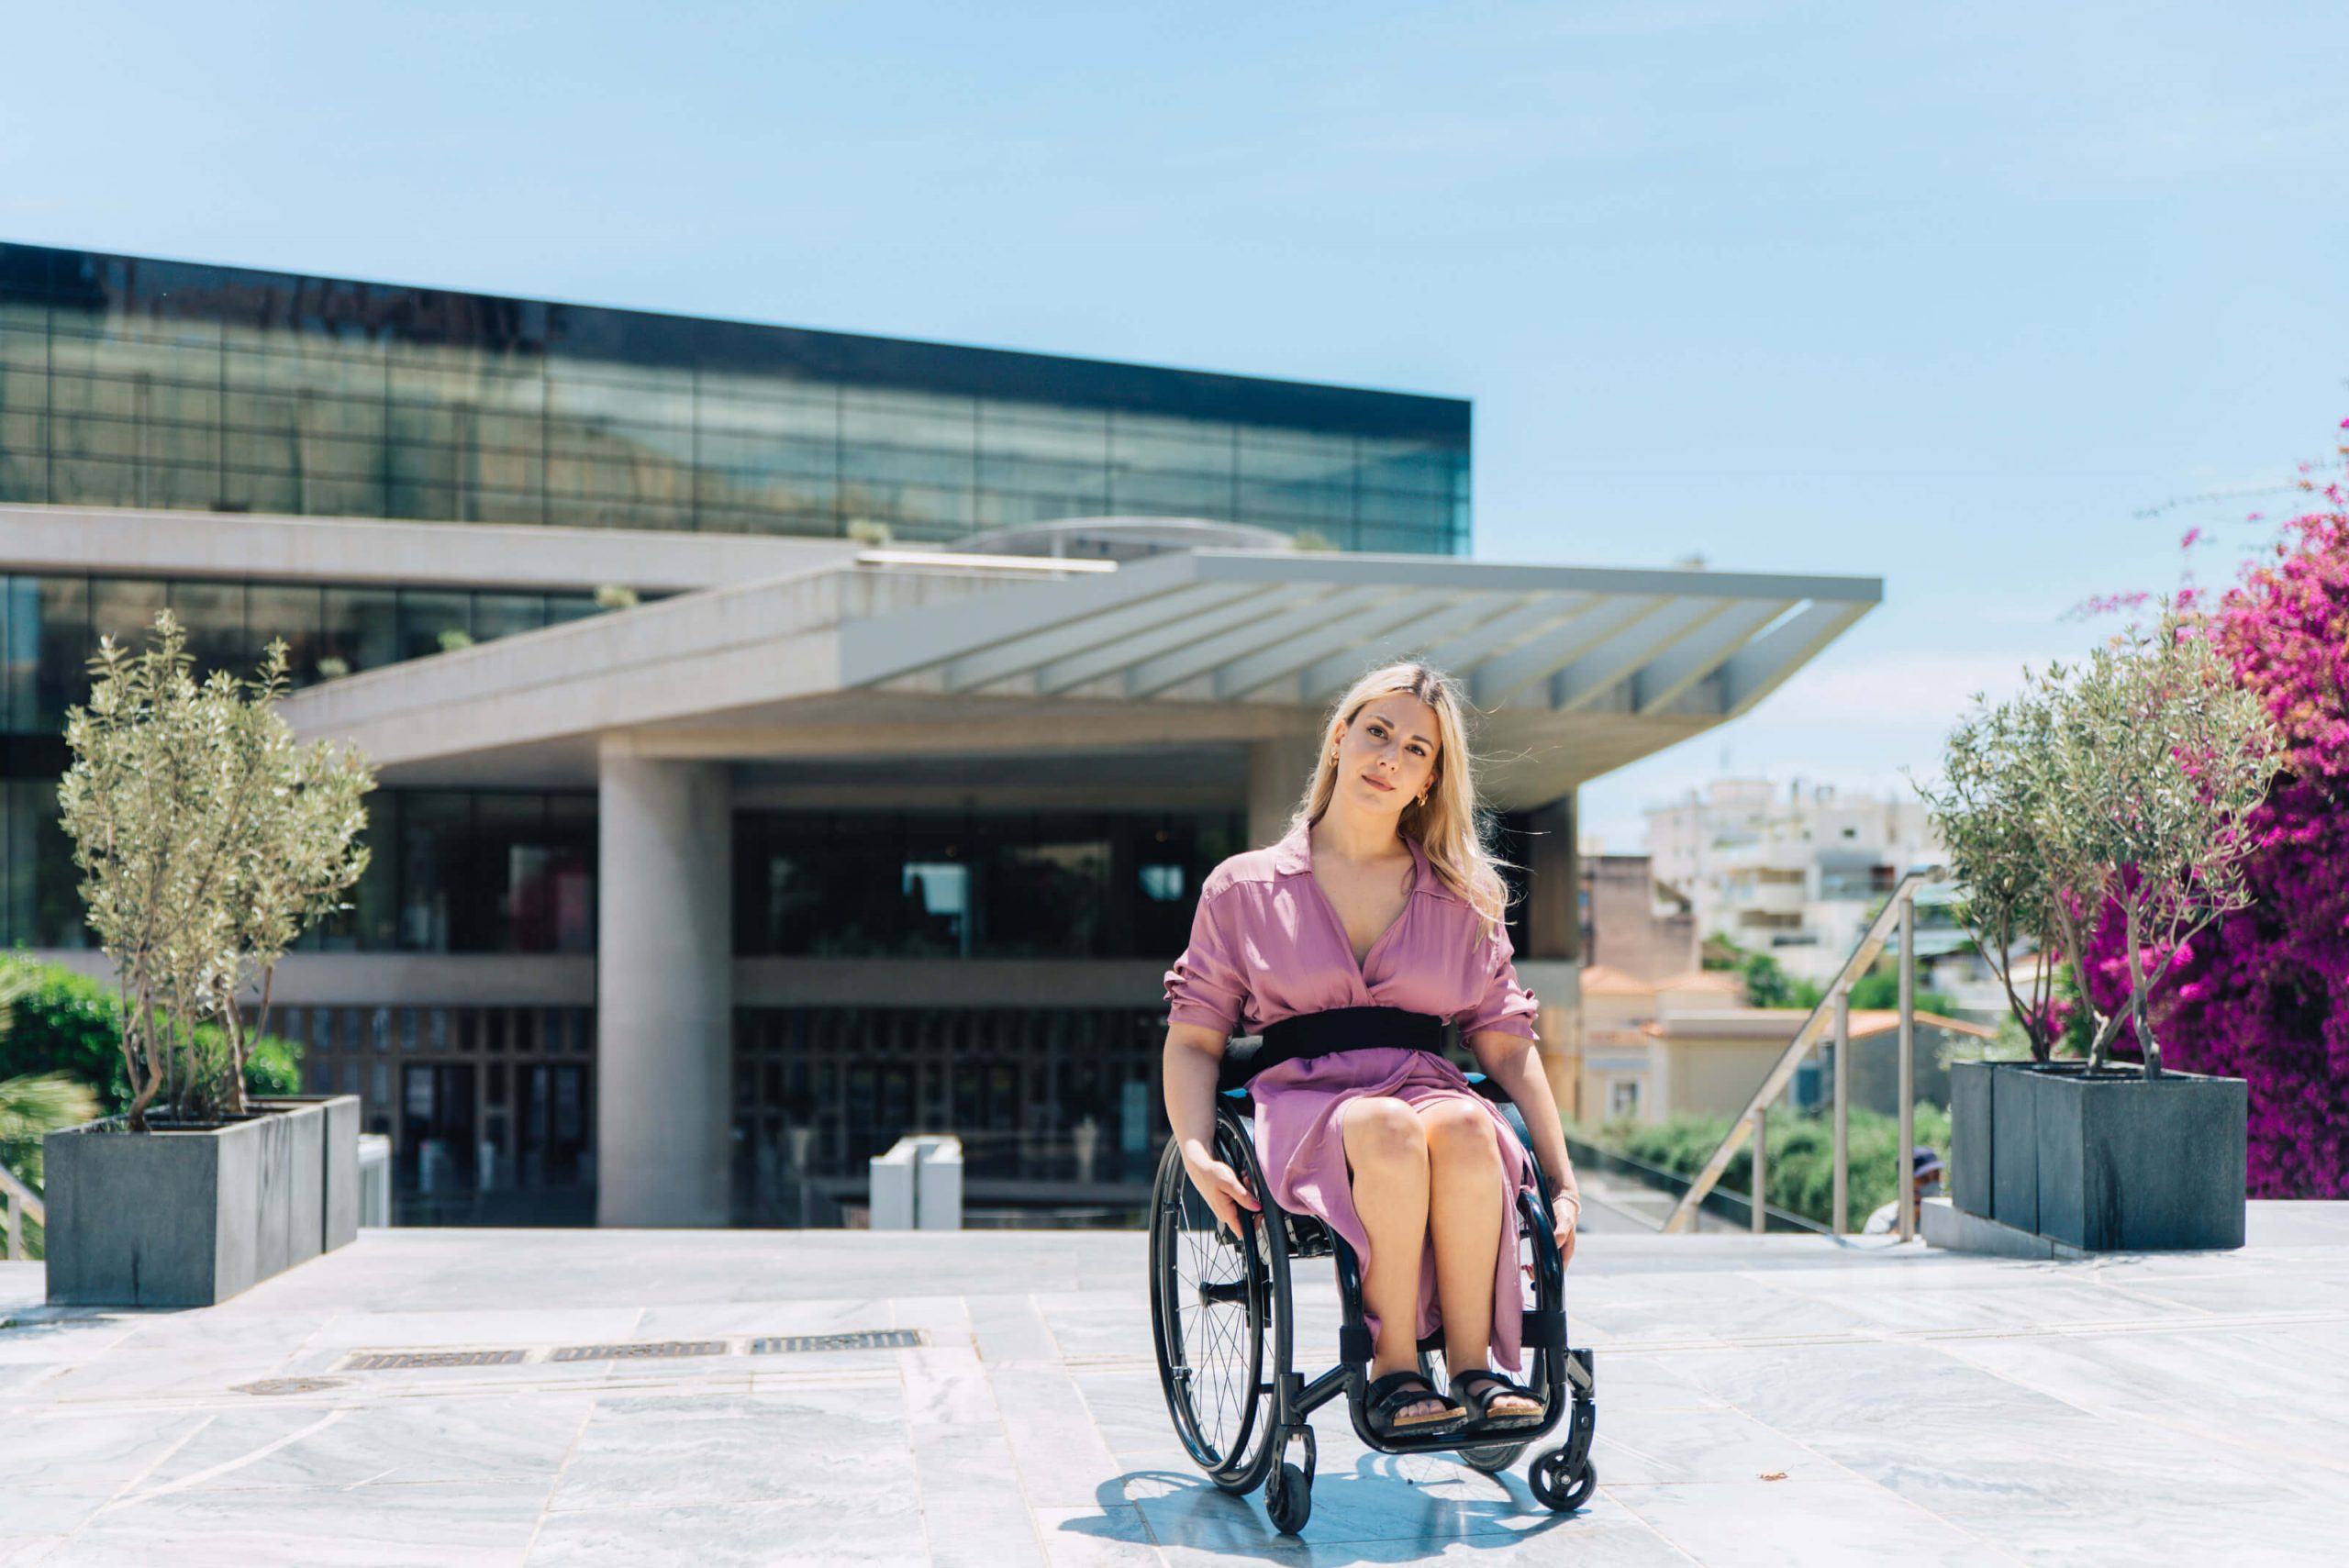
pixel 66 1022
pixel 1802 1155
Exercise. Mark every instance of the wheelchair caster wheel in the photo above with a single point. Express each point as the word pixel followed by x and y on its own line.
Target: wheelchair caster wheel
pixel 1289 1497
pixel 1491 1458
pixel 1557 1491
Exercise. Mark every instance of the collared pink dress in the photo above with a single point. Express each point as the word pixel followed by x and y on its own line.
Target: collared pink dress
pixel 1266 945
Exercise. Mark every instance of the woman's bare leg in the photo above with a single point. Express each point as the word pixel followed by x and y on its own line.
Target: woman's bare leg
pixel 1465 1214
pixel 1386 1155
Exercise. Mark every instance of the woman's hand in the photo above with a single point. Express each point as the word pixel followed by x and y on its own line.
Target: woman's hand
pixel 1218 1183
pixel 1563 1232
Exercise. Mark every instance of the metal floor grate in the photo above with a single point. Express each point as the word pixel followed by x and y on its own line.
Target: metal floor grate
pixel 400 1361
pixel 653 1349
pixel 861 1339
pixel 288 1386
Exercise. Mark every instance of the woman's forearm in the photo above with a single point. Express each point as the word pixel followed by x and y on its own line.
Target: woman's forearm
pixel 1189 1074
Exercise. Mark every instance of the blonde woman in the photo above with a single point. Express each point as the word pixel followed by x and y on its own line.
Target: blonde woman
pixel 1377 917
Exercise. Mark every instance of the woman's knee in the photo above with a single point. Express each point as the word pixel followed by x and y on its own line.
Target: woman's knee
pixel 1459 1133
pixel 1383 1132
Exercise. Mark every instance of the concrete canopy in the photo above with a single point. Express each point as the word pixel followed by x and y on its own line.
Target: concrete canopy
pixel 888 655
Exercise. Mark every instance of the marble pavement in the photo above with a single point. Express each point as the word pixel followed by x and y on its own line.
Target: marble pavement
pixel 1763 1400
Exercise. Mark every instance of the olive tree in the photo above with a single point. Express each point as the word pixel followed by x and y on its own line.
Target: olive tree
pixel 1996 793
pixel 2116 787
pixel 2161 758
pixel 207 839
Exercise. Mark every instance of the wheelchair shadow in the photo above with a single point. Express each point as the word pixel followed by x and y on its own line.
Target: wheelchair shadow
pixel 1386 1508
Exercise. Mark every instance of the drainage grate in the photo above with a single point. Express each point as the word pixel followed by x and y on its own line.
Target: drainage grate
pixel 862 1340
pixel 655 1349
pixel 400 1361
pixel 288 1386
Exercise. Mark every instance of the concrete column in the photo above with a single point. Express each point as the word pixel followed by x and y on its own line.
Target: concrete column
pixel 664 990
pixel 1553 930
pixel 1278 771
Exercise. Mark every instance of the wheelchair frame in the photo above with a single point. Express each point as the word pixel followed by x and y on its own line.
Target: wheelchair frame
pixel 1563 1478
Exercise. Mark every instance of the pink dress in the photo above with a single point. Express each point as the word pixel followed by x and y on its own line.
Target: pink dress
pixel 1266 945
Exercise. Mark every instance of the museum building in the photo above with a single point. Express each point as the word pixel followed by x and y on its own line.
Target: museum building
pixel 787 739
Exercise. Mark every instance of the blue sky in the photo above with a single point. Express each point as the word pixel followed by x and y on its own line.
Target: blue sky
pixel 1943 293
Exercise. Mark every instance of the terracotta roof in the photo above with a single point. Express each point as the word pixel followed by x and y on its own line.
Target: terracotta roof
pixel 1751 1023
pixel 1599 980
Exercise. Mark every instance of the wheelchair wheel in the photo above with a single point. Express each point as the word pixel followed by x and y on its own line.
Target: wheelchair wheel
pixel 1219 1308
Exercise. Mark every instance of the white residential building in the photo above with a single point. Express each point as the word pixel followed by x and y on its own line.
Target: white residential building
pixel 1794 873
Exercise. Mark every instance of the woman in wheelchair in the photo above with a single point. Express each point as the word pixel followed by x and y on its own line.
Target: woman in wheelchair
pixel 1348 945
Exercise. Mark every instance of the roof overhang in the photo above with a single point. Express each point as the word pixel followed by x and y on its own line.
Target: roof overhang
pixel 1574 671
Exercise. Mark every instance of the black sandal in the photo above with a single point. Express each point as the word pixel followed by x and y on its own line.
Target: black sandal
pixel 1495 1386
pixel 1388 1395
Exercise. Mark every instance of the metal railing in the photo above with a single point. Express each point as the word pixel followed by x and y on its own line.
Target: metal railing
pixel 19 1202
pixel 1834 1010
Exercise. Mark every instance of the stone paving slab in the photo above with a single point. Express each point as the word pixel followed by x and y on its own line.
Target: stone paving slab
pixel 1763 1400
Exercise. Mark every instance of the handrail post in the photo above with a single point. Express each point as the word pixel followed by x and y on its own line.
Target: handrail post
pixel 1761 1160
pixel 1907 1071
pixel 15 1224
pixel 1843 1210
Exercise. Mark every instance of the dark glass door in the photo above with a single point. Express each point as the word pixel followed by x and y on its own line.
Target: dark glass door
pixel 552 1127
pixel 439 1144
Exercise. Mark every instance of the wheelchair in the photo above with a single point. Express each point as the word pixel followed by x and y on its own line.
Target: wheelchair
pixel 1221 1307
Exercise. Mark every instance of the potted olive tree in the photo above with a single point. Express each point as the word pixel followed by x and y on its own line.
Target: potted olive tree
pixel 2116 788
pixel 206 839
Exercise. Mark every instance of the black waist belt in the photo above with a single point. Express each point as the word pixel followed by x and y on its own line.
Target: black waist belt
pixel 1327 1033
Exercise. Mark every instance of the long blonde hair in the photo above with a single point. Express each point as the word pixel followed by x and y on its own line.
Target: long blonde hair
pixel 1450 826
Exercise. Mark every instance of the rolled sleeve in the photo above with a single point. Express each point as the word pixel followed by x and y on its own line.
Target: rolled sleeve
pixel 1506 1006
pixel 1206 986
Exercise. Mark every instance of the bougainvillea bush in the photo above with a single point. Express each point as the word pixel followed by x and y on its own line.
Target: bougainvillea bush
pixel 2264 995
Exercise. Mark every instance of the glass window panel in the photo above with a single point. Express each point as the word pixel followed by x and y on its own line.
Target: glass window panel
pixel 49 641
pixel 89 483
pixel 1383 509
pixel 1296 455
pixel 96 435
pixel 125 608
pixel 37 840
pixel 214 615
pixel 1420 467
pixel 564 905
pixel 435 835
pixel 434 623
pixel 755 455
pixel 937 466
pixel 24 476
pixel 293 613
pixel 999 509
pixel 1045 889
pixel 1172 494
pixel 360 632
pixel 509 912
pixel 1285 505
pixel 503 615
pixel 911 511
pixel 1018 431
pixel 1153 443
pixel 870 417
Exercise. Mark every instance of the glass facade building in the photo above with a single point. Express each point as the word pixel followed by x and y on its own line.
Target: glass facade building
pixel 137 383
pixel 127 382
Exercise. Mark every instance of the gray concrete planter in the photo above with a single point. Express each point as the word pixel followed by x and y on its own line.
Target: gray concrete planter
pixel 2108 1162
pixel 192 1218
